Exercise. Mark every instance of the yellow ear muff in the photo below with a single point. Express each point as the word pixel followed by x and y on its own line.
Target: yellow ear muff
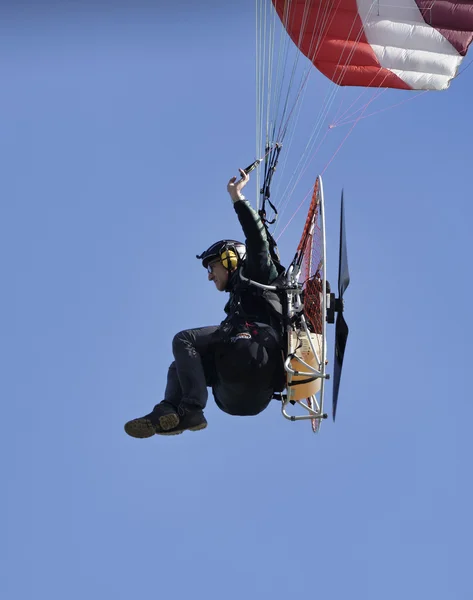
pixel 229 259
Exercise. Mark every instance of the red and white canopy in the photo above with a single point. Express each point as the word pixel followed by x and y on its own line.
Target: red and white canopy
pixel 407 44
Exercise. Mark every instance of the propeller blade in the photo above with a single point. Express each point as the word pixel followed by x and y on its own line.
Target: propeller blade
pixel 341 327
pixel 341 336
pixel 343 273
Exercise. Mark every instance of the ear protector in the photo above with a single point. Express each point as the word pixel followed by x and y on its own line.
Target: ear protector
pixel 229 258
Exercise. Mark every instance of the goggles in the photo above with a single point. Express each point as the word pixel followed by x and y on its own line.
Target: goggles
pixel 210 266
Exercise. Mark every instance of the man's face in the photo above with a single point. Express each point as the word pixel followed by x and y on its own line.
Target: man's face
pixel 218 274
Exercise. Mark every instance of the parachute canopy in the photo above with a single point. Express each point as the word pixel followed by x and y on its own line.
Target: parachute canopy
pixel 406 44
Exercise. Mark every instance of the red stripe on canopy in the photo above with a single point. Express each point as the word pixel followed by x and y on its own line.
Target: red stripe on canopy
pixel 334 40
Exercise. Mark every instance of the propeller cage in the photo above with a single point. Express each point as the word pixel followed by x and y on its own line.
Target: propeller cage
pixel 305 359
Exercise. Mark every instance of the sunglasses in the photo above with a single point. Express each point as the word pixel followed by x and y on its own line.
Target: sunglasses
pixel 210 266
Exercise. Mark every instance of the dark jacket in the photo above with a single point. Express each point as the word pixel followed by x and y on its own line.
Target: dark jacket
pixel 249 363
pixel 246 302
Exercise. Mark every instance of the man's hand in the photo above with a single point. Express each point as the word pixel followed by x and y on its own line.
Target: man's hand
pixel 234 187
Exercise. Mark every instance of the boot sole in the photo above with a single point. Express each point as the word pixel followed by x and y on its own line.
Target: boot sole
pixel 196 428
pixel 167 422
pixel 140 428
pixel 143 428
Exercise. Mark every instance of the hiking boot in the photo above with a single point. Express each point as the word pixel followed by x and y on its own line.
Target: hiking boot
pixel 162 419
pixel 190 418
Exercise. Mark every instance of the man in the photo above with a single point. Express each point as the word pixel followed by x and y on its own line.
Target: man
pixel 240 359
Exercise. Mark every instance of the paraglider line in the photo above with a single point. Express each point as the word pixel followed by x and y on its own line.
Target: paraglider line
pixel 294 214
pixel 349 133
pixel 383 109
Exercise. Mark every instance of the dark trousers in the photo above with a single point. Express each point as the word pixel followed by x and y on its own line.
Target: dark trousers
pixel 241 369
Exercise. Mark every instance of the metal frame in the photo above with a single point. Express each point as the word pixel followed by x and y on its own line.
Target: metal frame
pixel 295 308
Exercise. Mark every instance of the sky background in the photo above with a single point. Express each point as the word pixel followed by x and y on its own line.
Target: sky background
pixel 120 125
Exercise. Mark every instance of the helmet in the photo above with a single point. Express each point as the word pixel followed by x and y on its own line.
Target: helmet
pixel 229 252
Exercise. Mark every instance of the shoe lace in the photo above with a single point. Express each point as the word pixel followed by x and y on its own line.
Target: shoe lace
pixel 184 408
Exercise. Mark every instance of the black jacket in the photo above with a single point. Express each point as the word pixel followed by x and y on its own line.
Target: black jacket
pixel 247 303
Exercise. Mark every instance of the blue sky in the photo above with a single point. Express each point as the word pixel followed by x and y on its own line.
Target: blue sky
pixel 121 124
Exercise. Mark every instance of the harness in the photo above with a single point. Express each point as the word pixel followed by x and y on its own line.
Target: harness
pixel 280 317
pixel 272 302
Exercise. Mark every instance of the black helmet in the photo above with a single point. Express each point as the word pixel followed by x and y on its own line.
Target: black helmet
pixel 229 252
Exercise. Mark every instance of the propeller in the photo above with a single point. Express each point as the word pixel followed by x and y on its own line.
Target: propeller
pixel 341 327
